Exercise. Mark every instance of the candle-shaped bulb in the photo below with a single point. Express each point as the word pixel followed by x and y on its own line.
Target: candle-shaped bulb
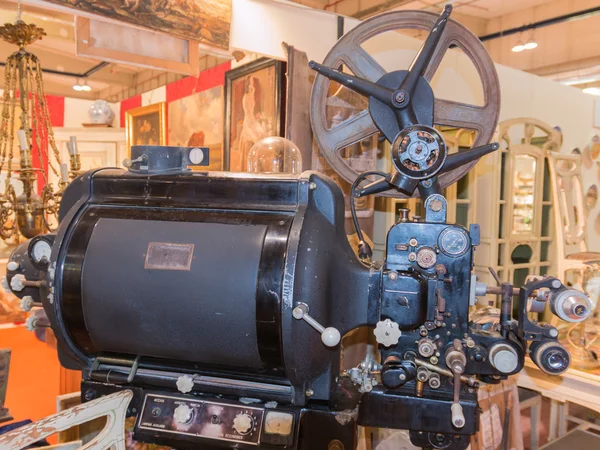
pixel 64 173
pixel 73 146
pixel 22 140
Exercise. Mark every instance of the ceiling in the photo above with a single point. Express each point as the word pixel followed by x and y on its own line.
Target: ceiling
pixel 567 52
pixel 63 68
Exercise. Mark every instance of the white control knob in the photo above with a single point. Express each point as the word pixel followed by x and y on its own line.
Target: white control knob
pixel 183 414
pixel 243 423
pixel 17 282
pixel 12 266
pixel 31 323
pixel 387 333
pixel 27 303
pixel 331 336
pixel 504 357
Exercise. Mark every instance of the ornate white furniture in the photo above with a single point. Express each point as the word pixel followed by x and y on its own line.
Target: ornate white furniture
pixel 514 203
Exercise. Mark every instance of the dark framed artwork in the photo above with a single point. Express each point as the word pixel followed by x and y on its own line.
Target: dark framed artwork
pixel 254 108
pixel 146 125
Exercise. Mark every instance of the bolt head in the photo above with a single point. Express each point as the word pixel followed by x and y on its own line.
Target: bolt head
pixel 393 275
pixel 309 392
pixel 400 97
pixel 553 332
pixel 433 360
pixel 436 205
pixel 556 284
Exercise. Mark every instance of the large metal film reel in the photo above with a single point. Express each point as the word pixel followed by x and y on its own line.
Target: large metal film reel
pixel 348 51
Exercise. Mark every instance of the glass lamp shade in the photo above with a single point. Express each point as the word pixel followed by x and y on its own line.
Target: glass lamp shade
pixel 274 155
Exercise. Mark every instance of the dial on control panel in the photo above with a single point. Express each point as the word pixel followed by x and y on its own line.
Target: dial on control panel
pixel 243 423
pixel 183 414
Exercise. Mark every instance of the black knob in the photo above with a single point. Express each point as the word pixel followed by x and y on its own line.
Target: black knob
pixel 550 356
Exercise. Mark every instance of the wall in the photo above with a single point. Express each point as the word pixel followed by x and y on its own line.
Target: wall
pixel 522 94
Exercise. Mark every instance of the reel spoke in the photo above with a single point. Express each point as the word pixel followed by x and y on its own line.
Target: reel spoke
pixel 443 34
pixel 428 50
pixel 362 64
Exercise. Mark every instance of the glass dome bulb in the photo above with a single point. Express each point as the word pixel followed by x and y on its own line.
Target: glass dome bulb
pixel 274 155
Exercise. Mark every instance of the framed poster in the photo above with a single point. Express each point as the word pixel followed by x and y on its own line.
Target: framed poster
pixel 146 125
pixel 254 108
pixel 197 121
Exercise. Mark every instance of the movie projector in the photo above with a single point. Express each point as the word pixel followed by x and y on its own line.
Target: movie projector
pixel 220 300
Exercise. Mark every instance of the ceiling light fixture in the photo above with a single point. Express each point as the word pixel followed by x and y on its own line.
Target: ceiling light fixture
pixel 592 91
pixel 519 47
pixel 82 85
pixel 531 44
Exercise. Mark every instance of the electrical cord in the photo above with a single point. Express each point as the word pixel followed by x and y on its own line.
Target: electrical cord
pixel 364 250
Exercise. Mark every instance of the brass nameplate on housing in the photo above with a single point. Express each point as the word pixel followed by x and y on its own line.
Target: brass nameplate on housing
pixel 168 256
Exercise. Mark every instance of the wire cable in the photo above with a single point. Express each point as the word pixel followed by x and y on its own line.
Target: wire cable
pixel 364 250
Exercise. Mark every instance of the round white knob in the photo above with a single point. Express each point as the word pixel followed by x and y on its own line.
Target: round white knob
pixel 31 323
pixel 26 303
pixel 387 333
pixel 243 423
pixel 504 358
pixel 12 265
pixel 331 336
pixel 196 155
pixel 183 414
pixel 16 282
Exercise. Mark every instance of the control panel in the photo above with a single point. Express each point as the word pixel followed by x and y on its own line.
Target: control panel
pixel 219 420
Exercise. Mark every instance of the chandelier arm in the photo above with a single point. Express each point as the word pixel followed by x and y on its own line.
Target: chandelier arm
pixel 13 110
pixel 46 118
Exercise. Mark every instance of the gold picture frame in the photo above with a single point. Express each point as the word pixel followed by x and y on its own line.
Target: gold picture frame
pixel 146 125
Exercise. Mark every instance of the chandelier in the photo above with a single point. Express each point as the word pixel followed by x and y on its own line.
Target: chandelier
pixel 25 115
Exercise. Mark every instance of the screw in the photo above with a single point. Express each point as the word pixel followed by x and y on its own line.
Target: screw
pixel 556 284
pixel 312 186
pixel 433 360
pixel 423 331
pixel 453 325
pixel 309 392
pixel 89 395
pixel 400 97
pixel 412 256
pixel 553 332
pixel 393 275
pixel 427 183
pixel 440 269
pixel 413 242
pixel 402 377
pixel 335 445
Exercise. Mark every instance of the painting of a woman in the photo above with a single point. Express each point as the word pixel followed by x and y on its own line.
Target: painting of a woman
pixel 254 105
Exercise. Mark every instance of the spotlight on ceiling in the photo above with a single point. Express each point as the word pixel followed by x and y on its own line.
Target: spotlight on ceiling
pixel 531 44
pixel 82 85
pixel 592 91
pixel 519 47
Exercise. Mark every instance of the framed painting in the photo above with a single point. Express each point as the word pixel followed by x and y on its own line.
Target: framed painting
pixel 254 108
pixel 146 125
pixel 205 21
pixel 197 121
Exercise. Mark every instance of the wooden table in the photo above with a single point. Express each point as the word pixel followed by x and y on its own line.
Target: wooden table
pixel 575 386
